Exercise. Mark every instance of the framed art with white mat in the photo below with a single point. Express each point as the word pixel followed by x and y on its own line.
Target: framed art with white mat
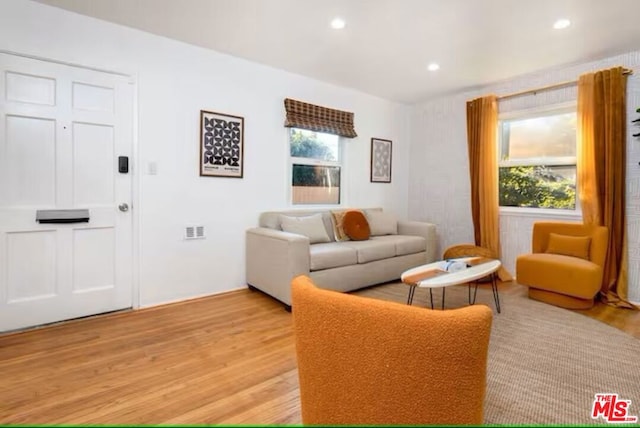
pixel 380 160
pixel 221 145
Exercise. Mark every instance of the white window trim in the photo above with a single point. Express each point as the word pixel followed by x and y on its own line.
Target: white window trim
pixel 550 110
pixel 545 213
pixel 310 161
pixel 540 111
pixel 548 161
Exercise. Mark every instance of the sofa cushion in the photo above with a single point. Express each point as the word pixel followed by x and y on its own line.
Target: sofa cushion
pixel 337 217
pixel 372 250
pixel 272 219
pixel 310 226
pixel 331 255
pixel 356 226
pixel 568 275
pixel 574 246
pixel 405 244
pixel 382 223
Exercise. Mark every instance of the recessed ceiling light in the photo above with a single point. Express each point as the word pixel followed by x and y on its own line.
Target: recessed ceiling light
pixel 561 24
pixel 433 66
pixel 338 23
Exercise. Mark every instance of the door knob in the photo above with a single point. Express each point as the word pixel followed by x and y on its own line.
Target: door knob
pixel 123 207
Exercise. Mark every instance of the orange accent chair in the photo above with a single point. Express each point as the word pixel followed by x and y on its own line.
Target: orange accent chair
pixel 367 361
pixel 567 263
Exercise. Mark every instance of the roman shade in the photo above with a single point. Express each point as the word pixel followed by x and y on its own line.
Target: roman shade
pixel 318 118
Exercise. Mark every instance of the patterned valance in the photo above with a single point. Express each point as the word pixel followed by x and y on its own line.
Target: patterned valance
pixel 318 118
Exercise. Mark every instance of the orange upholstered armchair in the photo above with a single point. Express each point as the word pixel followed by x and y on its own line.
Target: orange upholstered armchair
pixel 566 266
pixel 366 361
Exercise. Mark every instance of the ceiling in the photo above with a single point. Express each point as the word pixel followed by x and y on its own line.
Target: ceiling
pixel 386 45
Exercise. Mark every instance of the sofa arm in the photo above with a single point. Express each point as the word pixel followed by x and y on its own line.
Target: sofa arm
pixel 274 258
pixel 425 230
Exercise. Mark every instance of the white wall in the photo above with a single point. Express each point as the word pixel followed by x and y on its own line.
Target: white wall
pixel 175 81
pixel 439 189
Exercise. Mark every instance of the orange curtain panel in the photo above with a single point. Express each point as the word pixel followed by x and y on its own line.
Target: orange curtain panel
pixel 482 124
pixel 601 169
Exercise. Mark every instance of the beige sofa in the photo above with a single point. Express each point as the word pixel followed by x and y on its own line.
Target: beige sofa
pixel 275 257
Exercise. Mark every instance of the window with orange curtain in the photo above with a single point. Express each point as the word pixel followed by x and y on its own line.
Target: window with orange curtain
pixel 537 159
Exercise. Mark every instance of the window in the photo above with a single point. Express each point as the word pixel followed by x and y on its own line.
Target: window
pixel 315 167
pixel 537 167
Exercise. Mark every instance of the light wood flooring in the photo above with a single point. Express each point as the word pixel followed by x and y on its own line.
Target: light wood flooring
pixel 226 359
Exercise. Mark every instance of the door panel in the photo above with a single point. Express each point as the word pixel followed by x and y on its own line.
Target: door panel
pixel 30 89
pixel 92 98
pixel 61 131
pixel 31 265
pixel 93 259
pixel 93 164
pixel 30 145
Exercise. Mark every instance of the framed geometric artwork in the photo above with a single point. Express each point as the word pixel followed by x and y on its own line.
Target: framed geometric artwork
pixel 221 145
pixel 380 160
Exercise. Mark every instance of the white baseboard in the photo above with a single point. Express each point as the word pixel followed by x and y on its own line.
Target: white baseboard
pixel 186 299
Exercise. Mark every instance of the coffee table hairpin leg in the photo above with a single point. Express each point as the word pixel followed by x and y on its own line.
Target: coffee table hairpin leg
pixel 475 292
pixel 494 289
pixel 412 292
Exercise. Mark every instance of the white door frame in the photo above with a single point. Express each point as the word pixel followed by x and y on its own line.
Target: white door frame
pixel 134 167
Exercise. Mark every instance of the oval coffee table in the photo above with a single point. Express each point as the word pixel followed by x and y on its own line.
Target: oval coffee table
pixel 431 276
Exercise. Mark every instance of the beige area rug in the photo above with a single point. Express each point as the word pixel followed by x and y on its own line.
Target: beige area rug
pixel 545 363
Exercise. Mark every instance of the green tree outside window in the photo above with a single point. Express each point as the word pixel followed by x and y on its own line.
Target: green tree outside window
pixel 535 187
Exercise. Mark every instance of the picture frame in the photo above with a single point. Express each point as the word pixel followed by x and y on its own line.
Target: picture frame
pixel 221 145
pixel 381 156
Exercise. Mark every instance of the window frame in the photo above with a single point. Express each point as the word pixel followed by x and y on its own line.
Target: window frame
pixel 536 112
pixel 296 160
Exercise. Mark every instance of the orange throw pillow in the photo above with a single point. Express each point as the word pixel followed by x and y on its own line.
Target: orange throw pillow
pixel 356 226
pixel 574 246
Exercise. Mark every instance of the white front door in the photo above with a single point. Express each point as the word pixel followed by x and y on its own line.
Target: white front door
pixel 62 129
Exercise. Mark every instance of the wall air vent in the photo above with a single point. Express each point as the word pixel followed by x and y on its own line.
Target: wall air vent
pixel 194 232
